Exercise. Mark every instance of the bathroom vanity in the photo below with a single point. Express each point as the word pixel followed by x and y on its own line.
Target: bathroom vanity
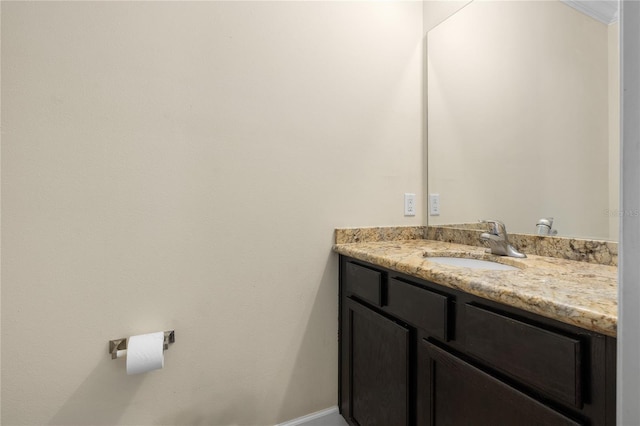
pixel 429 344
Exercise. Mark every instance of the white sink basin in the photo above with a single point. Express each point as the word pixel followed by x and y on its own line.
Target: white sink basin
pixel 471 263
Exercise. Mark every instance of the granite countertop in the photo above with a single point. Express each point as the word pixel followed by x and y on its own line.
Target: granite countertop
pixel 577 293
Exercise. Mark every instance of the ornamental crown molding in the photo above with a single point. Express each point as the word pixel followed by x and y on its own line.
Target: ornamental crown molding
pixel 605 11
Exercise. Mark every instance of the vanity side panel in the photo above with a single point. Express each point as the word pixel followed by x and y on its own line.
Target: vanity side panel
pixel 611 366
pixel 343 364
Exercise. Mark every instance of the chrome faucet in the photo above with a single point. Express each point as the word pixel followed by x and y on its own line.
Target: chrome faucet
pixel 498 240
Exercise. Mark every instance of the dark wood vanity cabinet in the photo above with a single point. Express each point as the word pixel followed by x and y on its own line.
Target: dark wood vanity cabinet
pixel 416 353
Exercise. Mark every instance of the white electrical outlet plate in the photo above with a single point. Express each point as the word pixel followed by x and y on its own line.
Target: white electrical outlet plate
pixel 434 204
pixel 409 204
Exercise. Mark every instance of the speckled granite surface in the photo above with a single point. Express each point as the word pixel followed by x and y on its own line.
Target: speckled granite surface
pixel 590 251
pixel 382 233
pixel 578 293
pixel 582 250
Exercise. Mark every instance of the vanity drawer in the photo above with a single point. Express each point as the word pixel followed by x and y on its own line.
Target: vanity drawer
pixel 420 307
pixel 462 394
pixel 366 283
pixel 545 360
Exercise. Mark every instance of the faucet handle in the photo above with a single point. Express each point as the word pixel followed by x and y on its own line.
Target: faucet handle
pixel 497 227
pixel 499 240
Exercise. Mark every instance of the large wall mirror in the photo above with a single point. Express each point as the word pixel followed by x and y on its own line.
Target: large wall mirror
pixel 523 117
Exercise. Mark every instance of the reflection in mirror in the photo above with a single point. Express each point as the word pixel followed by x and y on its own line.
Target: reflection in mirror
pixel 523 118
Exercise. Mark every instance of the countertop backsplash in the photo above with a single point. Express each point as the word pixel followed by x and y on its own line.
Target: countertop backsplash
pixel 584 250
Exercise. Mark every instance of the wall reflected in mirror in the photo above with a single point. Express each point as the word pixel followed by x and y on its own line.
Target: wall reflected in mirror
pixel 523 118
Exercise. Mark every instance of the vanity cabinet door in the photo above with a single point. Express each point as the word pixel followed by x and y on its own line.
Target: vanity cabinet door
pixel 458 393
pixel 375 370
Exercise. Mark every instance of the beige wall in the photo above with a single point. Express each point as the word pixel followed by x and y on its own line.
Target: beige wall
pixel 518 124
pixel 182 166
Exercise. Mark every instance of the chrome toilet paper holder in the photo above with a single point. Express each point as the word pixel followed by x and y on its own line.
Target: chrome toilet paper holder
pixel 116 345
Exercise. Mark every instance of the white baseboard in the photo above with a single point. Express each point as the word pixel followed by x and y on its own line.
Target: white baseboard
pixel 308 417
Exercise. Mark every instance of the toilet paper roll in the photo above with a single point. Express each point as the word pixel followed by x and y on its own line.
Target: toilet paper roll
pixel 144 353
